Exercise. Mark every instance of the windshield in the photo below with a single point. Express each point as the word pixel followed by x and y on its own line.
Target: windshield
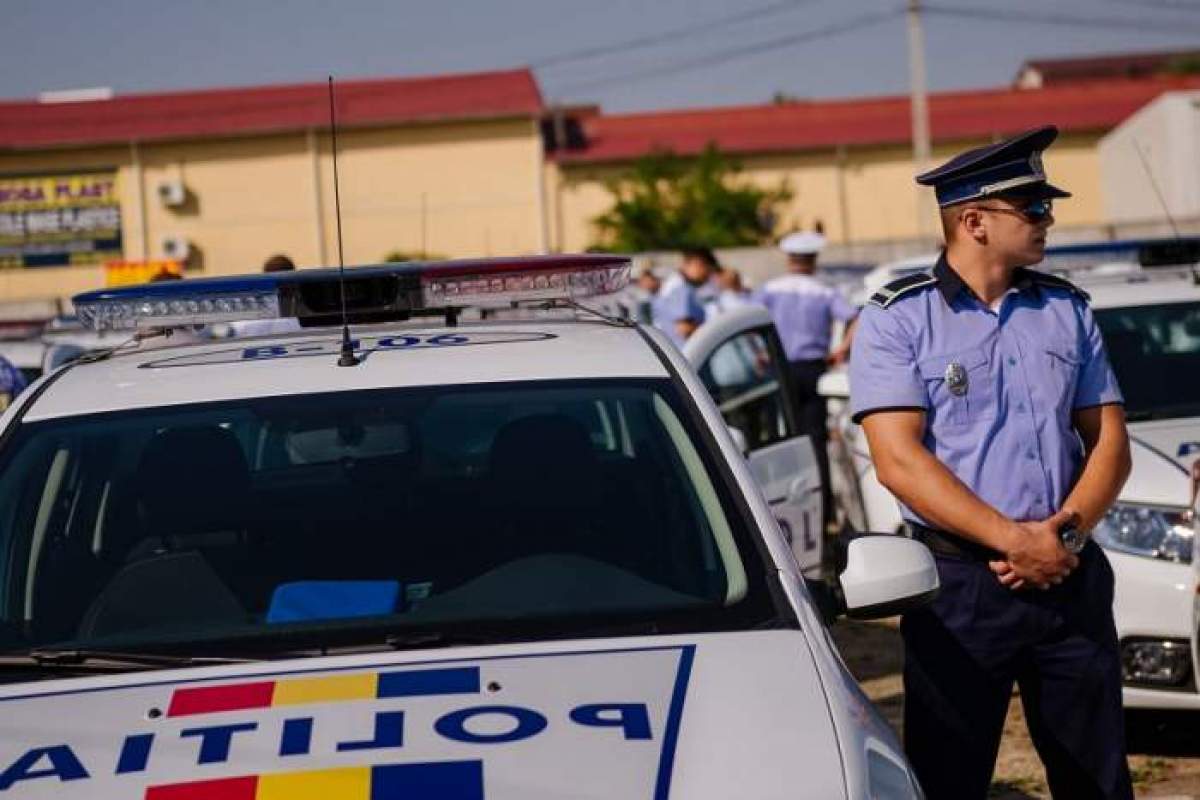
pixel 492 506
pixel 1155 352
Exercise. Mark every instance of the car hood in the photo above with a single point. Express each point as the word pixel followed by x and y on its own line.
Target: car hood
pixel 1157 477
pixel 705 716
pixel 1176 439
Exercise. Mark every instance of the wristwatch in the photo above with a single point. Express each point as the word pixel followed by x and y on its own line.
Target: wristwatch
pixel 1072 538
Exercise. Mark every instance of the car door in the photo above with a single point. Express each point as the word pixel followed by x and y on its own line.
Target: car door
pixel 740 360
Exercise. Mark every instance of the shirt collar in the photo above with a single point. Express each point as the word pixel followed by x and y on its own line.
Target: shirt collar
pixel 951 284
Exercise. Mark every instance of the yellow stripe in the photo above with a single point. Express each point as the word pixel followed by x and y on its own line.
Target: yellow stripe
pixel 325 690
pixel 351 783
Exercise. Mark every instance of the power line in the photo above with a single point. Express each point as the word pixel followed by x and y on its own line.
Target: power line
pixel 731 54
pixel 1106 23
pixel 1162 5
pixel 652 39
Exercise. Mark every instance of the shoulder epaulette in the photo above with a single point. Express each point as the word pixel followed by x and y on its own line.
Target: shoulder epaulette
pixel 893 291
pixel 1056 282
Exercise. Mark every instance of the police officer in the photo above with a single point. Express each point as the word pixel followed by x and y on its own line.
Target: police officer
pixel 804 310
pixel 12 382
pixel 992 413
pixel 678 308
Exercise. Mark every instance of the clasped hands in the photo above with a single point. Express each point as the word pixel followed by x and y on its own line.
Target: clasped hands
pixel 1034 554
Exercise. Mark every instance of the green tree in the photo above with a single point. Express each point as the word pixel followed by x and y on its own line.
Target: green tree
pixel 1188 64
pixel 667 202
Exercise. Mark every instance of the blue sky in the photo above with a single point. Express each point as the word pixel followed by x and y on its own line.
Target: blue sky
pixel 647 55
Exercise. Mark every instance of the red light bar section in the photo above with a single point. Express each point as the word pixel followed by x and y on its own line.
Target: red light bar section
pixel 532 264
pixel 211 699
pixel 241 788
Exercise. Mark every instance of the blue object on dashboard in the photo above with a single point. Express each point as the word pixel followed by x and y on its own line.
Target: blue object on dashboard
pixel 303 601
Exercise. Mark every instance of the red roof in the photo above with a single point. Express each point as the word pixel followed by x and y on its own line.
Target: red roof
pixel 824 124
pixel 30 124
pixel 1104 67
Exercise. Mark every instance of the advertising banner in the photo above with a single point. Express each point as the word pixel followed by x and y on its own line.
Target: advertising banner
pixel 59 219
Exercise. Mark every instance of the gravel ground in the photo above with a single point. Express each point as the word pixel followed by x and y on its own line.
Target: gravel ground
pixel 1164 748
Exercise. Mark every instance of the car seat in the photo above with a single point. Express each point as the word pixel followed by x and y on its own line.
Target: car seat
pixel 189 551
pixel 545 487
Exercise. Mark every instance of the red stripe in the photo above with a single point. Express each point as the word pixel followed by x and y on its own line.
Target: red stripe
pixel 220 789
pixel 211 699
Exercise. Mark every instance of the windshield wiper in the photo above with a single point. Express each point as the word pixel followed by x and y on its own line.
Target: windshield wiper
pixel 113 659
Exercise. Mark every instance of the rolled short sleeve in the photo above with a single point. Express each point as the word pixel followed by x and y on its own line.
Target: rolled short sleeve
pixel 883 370
pixel 1097 385
pixel 842 308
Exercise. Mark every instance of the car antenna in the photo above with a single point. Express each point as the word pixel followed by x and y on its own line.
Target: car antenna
pixel 1162 201
pixel 346 358
pixel 1187 254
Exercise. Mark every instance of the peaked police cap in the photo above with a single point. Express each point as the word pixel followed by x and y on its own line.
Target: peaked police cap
pixel 1013 166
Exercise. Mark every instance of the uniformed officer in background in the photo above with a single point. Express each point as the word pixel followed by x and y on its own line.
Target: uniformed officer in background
pixel 804 310
pixel 678 308
pixel 992 414
pixel 12 382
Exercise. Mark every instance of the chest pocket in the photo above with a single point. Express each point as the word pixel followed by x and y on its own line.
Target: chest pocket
pixel 1061 364
pixel 959 386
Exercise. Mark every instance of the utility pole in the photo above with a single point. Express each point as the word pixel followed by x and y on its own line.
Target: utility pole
pixel 919 105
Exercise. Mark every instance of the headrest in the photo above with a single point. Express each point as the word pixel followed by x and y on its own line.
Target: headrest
pixel 191 480
pixel 547 459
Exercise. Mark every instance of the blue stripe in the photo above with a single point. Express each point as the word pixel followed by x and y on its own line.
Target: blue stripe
pixel 457 680
pixel 662 786
pixel 446 780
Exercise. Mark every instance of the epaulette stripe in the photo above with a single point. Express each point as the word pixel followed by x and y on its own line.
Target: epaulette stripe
pixel 1058 282
pixel 889 293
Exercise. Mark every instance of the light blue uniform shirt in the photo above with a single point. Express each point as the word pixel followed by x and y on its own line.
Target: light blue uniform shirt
pixel 677 300
pixel 1007 433
pixel 804 309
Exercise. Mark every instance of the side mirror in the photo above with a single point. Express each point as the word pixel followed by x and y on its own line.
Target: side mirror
pixel 887 575
pixel 739 439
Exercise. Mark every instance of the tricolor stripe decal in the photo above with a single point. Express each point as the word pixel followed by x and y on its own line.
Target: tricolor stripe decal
pixel 444 780
pixel 331 689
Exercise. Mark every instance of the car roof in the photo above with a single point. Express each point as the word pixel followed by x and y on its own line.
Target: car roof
pixel 1139 287
pixel 305 362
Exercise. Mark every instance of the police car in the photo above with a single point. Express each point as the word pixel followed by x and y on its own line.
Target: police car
pixel 740 359
pixel 404 553
pixel 1146 299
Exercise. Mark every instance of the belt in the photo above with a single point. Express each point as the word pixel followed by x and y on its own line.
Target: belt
pixel 952 545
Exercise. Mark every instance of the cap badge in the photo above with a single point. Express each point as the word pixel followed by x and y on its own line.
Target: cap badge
pixel 1035 164
pixel 956 379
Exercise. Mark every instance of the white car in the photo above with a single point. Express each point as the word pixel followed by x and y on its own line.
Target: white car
pixel 1150 319
pixel 741 362
pixel 419 557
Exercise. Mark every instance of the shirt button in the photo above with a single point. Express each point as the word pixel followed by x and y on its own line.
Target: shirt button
pixel 1031 455
pixel 1012 362
pixel 1021 407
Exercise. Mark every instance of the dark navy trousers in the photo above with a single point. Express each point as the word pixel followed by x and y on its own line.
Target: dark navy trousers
pixel 963 654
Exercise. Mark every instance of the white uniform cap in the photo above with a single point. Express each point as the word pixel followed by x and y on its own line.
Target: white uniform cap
pixel 802 244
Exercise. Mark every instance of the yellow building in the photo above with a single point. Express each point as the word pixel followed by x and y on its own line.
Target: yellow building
pixel 463 165
pixel 849 163
pixel 221 179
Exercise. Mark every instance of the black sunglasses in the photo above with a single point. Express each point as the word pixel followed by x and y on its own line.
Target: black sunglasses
pixel 1033 212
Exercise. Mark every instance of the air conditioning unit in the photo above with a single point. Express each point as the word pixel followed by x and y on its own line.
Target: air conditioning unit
pixel 171 193
pixel 175 248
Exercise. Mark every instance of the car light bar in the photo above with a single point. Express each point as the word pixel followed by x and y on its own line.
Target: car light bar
pixel 373 293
